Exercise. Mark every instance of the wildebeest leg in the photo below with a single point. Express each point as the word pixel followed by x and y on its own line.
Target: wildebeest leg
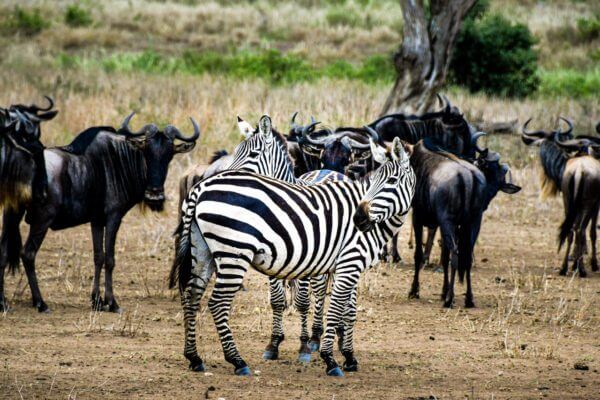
pixel 319 290
pixel 98 241
pixel 34 241
pixel 347 348
pixel 302 304
pixel 414 291
pixel 465 259
pixel 203 267
pixel 10 248
pixel 579 249
pixel 429 245
pixel 277 300
pixel 449 238
pixel 445 260
pixel 593 227
pixel 565 265
pixel 112 227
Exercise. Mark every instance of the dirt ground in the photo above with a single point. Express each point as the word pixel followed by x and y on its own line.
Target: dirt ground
pixel 529 332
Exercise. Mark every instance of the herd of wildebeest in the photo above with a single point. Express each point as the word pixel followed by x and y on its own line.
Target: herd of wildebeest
pixel 311 209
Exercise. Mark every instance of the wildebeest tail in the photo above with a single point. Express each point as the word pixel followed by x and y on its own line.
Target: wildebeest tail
pixel 573 206
pixel 12 235
pixel 182 264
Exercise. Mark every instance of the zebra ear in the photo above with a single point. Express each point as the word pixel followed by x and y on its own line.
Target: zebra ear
pixel 377 152
pixel 265 127
pixel 245 128
pixel 398 153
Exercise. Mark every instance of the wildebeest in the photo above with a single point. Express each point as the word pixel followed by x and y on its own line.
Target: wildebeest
pixel 21 146
pixel 568 168
pixel 452 194
pixel 97 179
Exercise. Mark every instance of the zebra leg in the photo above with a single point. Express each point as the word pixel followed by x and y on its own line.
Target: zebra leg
pixel 278 304
pixel 203 267
pixel 395 253
pixel 350 364
pixel 302 304
pixel 345 281
pixel 319 290
pixel 230 276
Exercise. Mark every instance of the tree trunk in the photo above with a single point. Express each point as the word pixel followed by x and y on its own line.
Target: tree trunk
pixel 423 58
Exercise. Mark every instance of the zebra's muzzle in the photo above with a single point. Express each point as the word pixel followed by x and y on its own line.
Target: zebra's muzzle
pixel 361 218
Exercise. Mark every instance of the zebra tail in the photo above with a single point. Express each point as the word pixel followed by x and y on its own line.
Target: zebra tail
pixel 181 269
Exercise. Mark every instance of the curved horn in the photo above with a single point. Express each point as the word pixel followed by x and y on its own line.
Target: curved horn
pixel 124 129
pixel 533 134
pixel 356 145
pixel 474 139
pixel 448 107
pixel 373 133
pixel 50 105
pixel 440 100
pixel 293 123
pixel 305 135
pixel 192 138
pixel 569 123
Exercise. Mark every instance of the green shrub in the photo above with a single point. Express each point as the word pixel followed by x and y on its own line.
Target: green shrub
pixel 570 83
pixel 588 28
pixel 76 16
pixel 26 22
pixel 495 56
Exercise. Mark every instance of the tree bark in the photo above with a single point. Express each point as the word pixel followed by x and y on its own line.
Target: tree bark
pixel 422 60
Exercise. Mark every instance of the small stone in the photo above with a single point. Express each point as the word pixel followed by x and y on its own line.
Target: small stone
pixel 523 346
pixel 431 338
pixel 581 366
pixel 211 388
pixel 209 374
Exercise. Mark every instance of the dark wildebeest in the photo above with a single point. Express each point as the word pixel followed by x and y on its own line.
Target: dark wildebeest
pixel 21 125
pixel 97 179
pixel 453 194
pixel 568 168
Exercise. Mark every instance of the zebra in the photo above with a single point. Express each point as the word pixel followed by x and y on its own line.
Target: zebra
pixel 237 219
pixel 271 158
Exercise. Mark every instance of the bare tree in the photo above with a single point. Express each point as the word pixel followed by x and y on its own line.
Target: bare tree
pixel 423 58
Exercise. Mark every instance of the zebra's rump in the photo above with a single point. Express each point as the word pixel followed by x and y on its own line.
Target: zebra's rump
pixel 283 230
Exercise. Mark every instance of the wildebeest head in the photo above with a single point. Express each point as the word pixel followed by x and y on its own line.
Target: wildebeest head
pixel 390 191
pixel 339 149
pixel 497 175
pixel 158 148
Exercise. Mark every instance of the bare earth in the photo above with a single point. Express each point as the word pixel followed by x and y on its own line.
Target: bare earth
pixel 529 330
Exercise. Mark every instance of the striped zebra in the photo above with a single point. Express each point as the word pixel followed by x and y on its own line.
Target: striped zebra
pixel 237 220
pixel 266 154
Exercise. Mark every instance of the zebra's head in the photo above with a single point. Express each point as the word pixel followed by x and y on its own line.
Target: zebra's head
pixel 390 190
pixel 263 151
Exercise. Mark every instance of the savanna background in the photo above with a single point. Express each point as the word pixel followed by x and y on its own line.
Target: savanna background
pixel 533 333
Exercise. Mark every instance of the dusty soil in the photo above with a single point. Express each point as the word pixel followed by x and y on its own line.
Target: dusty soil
pixel 529 330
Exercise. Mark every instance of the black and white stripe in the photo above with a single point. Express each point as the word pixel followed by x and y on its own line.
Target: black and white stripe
pixel 236 220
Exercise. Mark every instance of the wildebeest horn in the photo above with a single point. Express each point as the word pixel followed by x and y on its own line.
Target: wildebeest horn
pixel 448 104
pixel 312 120
pixel 474 139
pixel 33 108
pixel 124 129
pixel 305 135
pixel 352 144
pixel 293 123
pixel 569 123
pixel 533 135
pixel 192 138
pixel 29 127
pixel 373 133
pixel 440 100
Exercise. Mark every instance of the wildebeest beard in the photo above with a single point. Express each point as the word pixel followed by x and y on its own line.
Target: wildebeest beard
pixel 17 171
pixel 553 160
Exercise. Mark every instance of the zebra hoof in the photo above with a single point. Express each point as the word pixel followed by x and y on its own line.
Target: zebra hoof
pixel 270 355
pixel 197 367
pixel 304 358
pixel 335 372
pixel 244 371
pixel 314 346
